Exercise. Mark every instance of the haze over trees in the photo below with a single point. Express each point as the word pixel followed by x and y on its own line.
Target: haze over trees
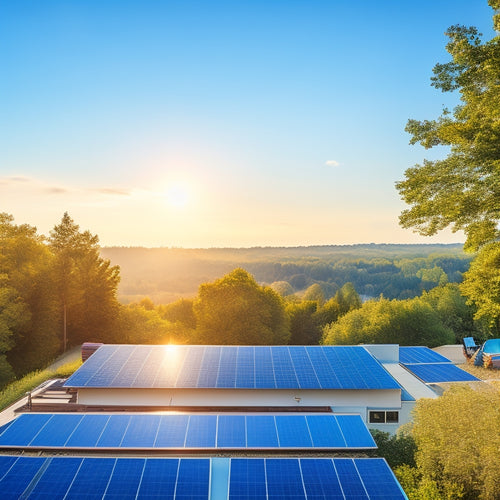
pixel 462 191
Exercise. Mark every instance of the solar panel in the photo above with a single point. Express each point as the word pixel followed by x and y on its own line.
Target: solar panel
pixel 420 354
pixel 440 372
pixel 189 478
pixel 105 478
pixel 241 367
pixel 199 431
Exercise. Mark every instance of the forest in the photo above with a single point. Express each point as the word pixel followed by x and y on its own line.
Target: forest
pixel 60 290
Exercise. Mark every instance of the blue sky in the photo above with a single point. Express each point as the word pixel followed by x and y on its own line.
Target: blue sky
pixel 218 123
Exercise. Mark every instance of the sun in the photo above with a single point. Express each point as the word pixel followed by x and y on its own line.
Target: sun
pixel 177 195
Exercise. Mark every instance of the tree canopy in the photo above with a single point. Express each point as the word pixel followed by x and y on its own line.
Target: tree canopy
pixel 236 310
pixel 461 191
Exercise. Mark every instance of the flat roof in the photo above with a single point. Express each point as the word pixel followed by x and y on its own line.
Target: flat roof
pixel 236 367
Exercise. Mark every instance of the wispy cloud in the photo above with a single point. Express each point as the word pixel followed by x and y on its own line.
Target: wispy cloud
pixel 113 191
pixel 56 190
pixel 332 163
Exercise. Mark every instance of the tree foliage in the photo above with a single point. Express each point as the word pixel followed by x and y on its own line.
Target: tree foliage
pixel 458 441
pixel 482 284
pixel 236 310
pixel 383 321
pixel 461 191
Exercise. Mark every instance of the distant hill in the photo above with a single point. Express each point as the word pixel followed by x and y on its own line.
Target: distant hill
pixel 397 271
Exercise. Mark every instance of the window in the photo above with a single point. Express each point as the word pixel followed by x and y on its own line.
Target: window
pixel 384 417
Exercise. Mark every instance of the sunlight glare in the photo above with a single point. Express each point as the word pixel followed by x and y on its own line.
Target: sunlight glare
pixel 177 196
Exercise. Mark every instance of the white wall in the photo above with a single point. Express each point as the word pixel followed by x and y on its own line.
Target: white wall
pixel 241 397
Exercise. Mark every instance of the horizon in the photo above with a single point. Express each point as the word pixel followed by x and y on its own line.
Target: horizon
pixel 222 125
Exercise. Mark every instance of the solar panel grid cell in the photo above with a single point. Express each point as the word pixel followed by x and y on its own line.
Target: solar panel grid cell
pixel 284 479
pixel 293 431
pixel 324 372
pixel 440 372
pixel 172 432
pixel 141 431
pixel 245 367
pixel 56 479
pixel 172 365
pixel 378 480
pixel 57 430
pixel 355 432
pixel 193 479
pixel 21 435
pixel 88 431
pixel 264 371
pixel 231 431
pixel 19 477
pixel 188 375
pixel 201 432
pixel 112 434
pixel 325 432
pixel 304 370
pixel 133 367
pixel 158 479
pixel 420 354
pixel 352 486
pixel 125 479
pixel 147 374
pixel 261 431
pixel 320 480
pixel 98 470
pixel 106 371
pixel 226 377
pixel 284 372
pixel 209 368
pixel 247 479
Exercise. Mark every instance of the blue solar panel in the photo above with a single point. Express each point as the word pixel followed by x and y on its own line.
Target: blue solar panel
pixel 293 431
pixel 231 431
pixel 264 367
pixel 88 431
pixel 440 372
pixel 325 431
pixel 193 479
pixel 247 479
pixel 189 479
pixel 125 479
pixel 56 478
pixel 112 434
pixel 158 479
pixel 201 431
pixel 320 480
pixel 91 480
pixel 57 430
pixel 420 355
pixel 245 367
pixel 261 431
pixel 20 435
pixel 172 432
pixel 227 368
pixel 303 368
pixel 19 477
pixel 378 479
pixel 284 479
pixel 141 431
pixel 355 431
pixel 196 431
pixel 352 485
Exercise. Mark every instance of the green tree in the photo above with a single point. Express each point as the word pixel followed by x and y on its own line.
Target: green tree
pixel 347 298
pixel 404 322
pixel 86 285
pixel 458 441
pixel 25 265
pixel 461 191
pixel 236 310
pixel 304 325
pixel 482 285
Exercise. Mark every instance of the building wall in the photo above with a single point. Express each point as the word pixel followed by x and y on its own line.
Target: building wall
pixel 337 399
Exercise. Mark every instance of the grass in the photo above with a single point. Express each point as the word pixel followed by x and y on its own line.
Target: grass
pixel 18 389
pixel 480 372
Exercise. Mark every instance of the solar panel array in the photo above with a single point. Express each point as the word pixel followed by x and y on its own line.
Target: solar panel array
pixel 205 431
pixel 420 354
pixel 432 367
pixel 107 478
pixel 57 478
pixel 241 367
pixel 342 478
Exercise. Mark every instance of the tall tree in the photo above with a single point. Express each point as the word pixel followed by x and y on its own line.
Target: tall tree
pixel 461 191
pixel 237 310
pixel 86 285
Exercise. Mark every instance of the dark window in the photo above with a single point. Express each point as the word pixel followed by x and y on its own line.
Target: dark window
pixel 384 417
pixel 377 417
pixel 392 417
